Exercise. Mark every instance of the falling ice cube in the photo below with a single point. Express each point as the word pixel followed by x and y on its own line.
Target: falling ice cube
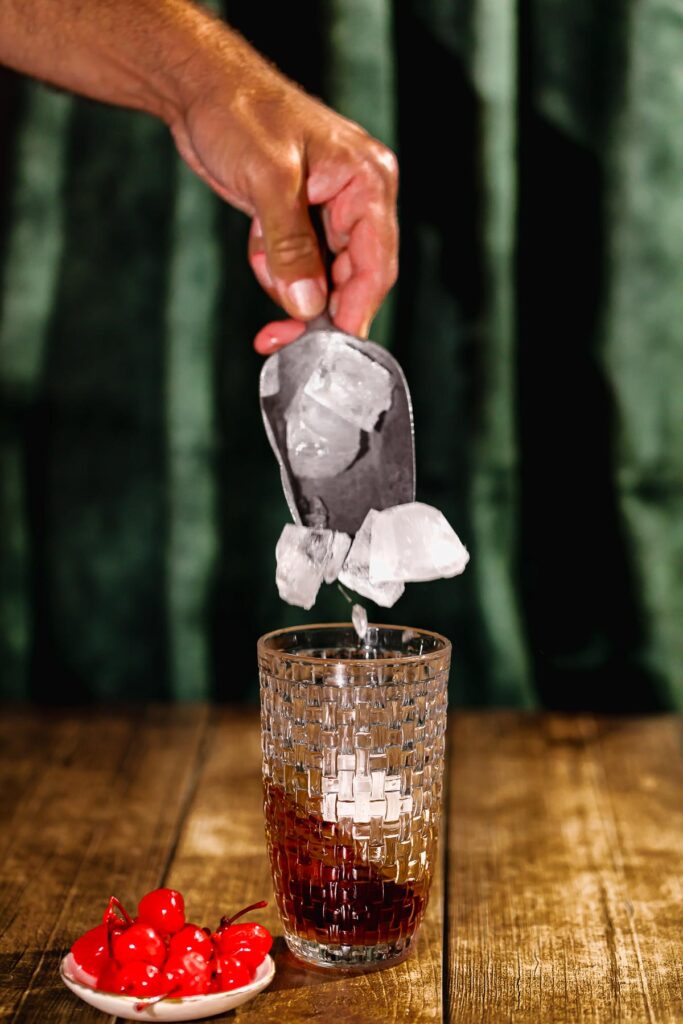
pixel 320 443
pixel 341 542
pixel 355 572
pixel 413 543
pixel 359 617
pixel 301 555
pixel 351 384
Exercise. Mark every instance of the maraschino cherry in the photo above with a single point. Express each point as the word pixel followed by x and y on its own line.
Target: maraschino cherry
pixel 192 939
pixel 93 949
pixel 250 942
pixel 164 910
pixel 187 974
pixel 231 973
pixel 139 942
pixel 158 956
pixel 139 979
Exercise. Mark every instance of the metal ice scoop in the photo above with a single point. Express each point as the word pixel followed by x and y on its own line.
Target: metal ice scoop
pixel 338 415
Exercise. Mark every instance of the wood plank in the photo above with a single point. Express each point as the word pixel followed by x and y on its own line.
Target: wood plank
pixel 221 865
pixel 564 870
pixel 103 795
pixel 639 770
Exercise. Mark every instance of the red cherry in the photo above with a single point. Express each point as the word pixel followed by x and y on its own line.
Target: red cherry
pixel 93 949
pixel 163 909
pixel 187 974
pixel 231 973
pixel 139 942
pixel 139 979
pixel 248 938
pixel 191 939
pixel 107 979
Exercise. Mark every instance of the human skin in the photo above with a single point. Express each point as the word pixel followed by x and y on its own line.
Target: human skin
pixel 257 139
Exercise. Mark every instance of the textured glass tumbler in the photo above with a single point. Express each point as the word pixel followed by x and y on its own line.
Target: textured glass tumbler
pixel 353 738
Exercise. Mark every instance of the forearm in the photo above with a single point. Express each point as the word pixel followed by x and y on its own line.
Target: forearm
pixel 254 137
pixel 150 55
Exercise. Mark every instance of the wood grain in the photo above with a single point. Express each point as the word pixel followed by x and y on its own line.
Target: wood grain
pixel 564 878
pixel 91 805
pixel 564 870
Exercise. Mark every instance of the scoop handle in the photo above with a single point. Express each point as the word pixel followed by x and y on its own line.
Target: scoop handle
pixel 322 322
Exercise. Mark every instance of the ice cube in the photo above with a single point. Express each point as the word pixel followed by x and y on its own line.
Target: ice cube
pixel 320 443
pixel 359 617
pixel 341 542
pixel 413 543
pixel 301 555
pixel 270 376
pixel 355 572
pixel 351 384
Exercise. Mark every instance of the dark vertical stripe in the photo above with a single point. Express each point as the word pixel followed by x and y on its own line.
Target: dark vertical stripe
pixel 32 256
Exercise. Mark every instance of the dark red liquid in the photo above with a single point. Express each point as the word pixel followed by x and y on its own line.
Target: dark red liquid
pixel 325 892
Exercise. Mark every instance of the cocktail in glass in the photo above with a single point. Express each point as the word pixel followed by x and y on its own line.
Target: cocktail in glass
pixel 353 737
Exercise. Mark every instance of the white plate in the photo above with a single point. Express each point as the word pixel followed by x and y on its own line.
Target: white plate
pixel 190 1008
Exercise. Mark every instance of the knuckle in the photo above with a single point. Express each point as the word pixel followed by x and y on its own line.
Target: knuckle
pixel 386 160
pixel 292 248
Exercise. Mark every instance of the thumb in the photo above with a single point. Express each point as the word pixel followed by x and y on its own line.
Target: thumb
pixel 293 255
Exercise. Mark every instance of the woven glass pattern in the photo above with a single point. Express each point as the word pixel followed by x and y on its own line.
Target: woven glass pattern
pixel 353 753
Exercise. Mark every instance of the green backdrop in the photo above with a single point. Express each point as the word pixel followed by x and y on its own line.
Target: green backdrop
pixel 539 318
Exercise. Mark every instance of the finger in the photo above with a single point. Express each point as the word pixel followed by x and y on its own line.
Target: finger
pixel 258 261
pixel 372 256
pixel 342 269
pixel 277 334
pixel 291 246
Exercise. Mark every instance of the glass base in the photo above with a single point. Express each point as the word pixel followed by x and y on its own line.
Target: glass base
pixel 384 954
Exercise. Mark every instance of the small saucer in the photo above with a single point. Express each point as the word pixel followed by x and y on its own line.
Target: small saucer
pixel 190 1008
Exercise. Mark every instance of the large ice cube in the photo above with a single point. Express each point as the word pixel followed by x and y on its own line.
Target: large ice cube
pixel 341 542
pixel 351 385
pixel 301 555
pixel 355 573
pixel 319 442
pixel 412 543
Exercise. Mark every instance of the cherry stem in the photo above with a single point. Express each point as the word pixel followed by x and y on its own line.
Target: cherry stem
pixel 153 1000
pixel 227 921
pixel 110 914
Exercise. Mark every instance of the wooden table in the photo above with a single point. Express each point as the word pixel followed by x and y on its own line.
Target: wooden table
pixel 559 896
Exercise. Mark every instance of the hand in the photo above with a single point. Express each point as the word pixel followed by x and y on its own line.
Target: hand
pixel 271 150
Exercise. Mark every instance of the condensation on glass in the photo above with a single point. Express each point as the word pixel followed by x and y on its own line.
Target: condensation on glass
pixel 353 737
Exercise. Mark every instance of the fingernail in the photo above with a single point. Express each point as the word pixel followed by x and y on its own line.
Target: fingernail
pixel 307 296
pixel 264 276
pixel 333 305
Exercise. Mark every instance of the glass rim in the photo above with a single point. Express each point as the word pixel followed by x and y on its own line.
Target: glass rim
pixel 263 648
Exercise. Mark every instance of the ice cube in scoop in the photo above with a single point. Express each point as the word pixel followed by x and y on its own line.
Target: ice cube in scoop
pixel 320 443
pixel 350 384
pixel 301 555
pixel 355 572
pixel 412 543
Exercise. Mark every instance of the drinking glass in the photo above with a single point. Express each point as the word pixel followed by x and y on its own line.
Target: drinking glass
pixel 353 736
